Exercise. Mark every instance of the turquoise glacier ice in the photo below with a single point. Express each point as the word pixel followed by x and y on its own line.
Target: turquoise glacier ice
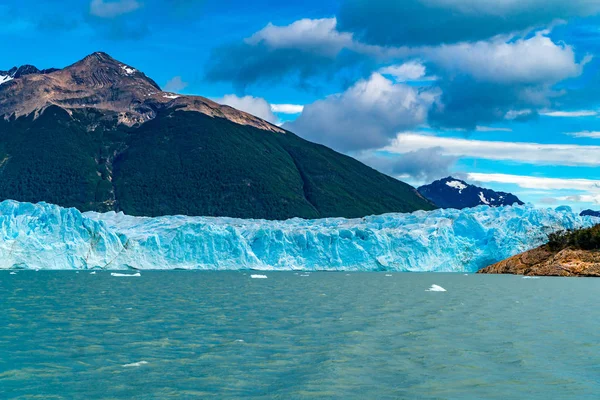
pixel 45 236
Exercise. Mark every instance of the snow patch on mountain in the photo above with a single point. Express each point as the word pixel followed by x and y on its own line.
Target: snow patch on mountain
pixel 5 78
pixel 128 70
pixel 457 185
pixel 483 199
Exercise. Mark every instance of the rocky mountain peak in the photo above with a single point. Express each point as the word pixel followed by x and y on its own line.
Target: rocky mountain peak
pixel 103 83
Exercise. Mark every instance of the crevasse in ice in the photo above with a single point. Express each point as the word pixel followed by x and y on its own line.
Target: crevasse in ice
pixel 45 236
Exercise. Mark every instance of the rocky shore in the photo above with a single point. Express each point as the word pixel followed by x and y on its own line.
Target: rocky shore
pixel 544 262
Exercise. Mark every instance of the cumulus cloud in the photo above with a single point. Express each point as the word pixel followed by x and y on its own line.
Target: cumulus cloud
pixel 425 165
pixel 488 81
pixel 537 60
pixel 253 105
pixel 527 153
pixel 175 84
pixel 482 78
pixel 301 50
pixel 111 9
pixel 310 35
pixel 366 116
pixel 433 22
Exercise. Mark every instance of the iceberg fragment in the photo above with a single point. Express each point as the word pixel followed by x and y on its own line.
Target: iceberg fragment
pixel 45 236
pixel 125 275
pixel 436 288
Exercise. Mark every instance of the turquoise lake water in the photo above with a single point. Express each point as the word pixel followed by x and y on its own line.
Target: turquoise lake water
pixel 222 335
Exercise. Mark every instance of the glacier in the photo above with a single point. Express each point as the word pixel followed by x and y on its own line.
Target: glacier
pixel 46 236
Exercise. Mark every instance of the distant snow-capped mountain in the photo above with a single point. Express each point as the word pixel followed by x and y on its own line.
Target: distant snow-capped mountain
pixel 18 72
pixel 455 193
pixel 590 213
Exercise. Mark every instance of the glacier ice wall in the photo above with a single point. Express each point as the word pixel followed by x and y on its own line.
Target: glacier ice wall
pixel 45 236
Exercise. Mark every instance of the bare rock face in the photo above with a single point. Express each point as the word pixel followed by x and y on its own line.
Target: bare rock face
pixel 543 262
pixel 103 83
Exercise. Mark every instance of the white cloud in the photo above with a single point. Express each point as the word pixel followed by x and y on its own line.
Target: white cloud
pixel 582 198
pixel 514 114
pixel 585 134
pixel 534 182
pixel 256 106
pixel 111 9
pixel 589 187
pixel 409 71
pixel 287 108
pixel 318 36
pixel 480 128
pixel 365 116
pixel 315 35
pixel 175 84
pixel 534 60
pixel 522 152
pixel 570 114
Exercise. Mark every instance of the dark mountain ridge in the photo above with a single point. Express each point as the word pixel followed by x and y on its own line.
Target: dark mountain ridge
pixel 100 135
pixel 455 193
pixel 591 213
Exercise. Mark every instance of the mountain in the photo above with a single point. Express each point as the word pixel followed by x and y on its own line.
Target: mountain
pixel 590 213
pixel 454 193
pixel 100 135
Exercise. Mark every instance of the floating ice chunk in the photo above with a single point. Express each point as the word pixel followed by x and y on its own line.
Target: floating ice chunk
pixel 388 274
pixel 436 288
pixel 136 364
pixel 258 276
pixel 117 274
pixel 531 277
pixel 305 275
pixel 93 273
pixel 13 273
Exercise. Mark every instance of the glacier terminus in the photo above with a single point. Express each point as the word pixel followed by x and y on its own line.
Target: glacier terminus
pixel 46 236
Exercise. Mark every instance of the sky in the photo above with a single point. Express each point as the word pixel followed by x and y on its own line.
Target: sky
pixel 503 93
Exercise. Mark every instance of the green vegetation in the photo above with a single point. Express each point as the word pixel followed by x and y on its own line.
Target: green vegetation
pixel 582 239
pixel 187 163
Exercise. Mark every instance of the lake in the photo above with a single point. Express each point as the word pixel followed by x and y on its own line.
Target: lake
pixel 224 335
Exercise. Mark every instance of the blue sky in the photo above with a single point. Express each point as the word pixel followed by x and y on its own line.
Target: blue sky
pixel 501 93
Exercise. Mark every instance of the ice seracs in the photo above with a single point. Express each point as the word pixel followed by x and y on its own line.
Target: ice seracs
pixel 46 236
